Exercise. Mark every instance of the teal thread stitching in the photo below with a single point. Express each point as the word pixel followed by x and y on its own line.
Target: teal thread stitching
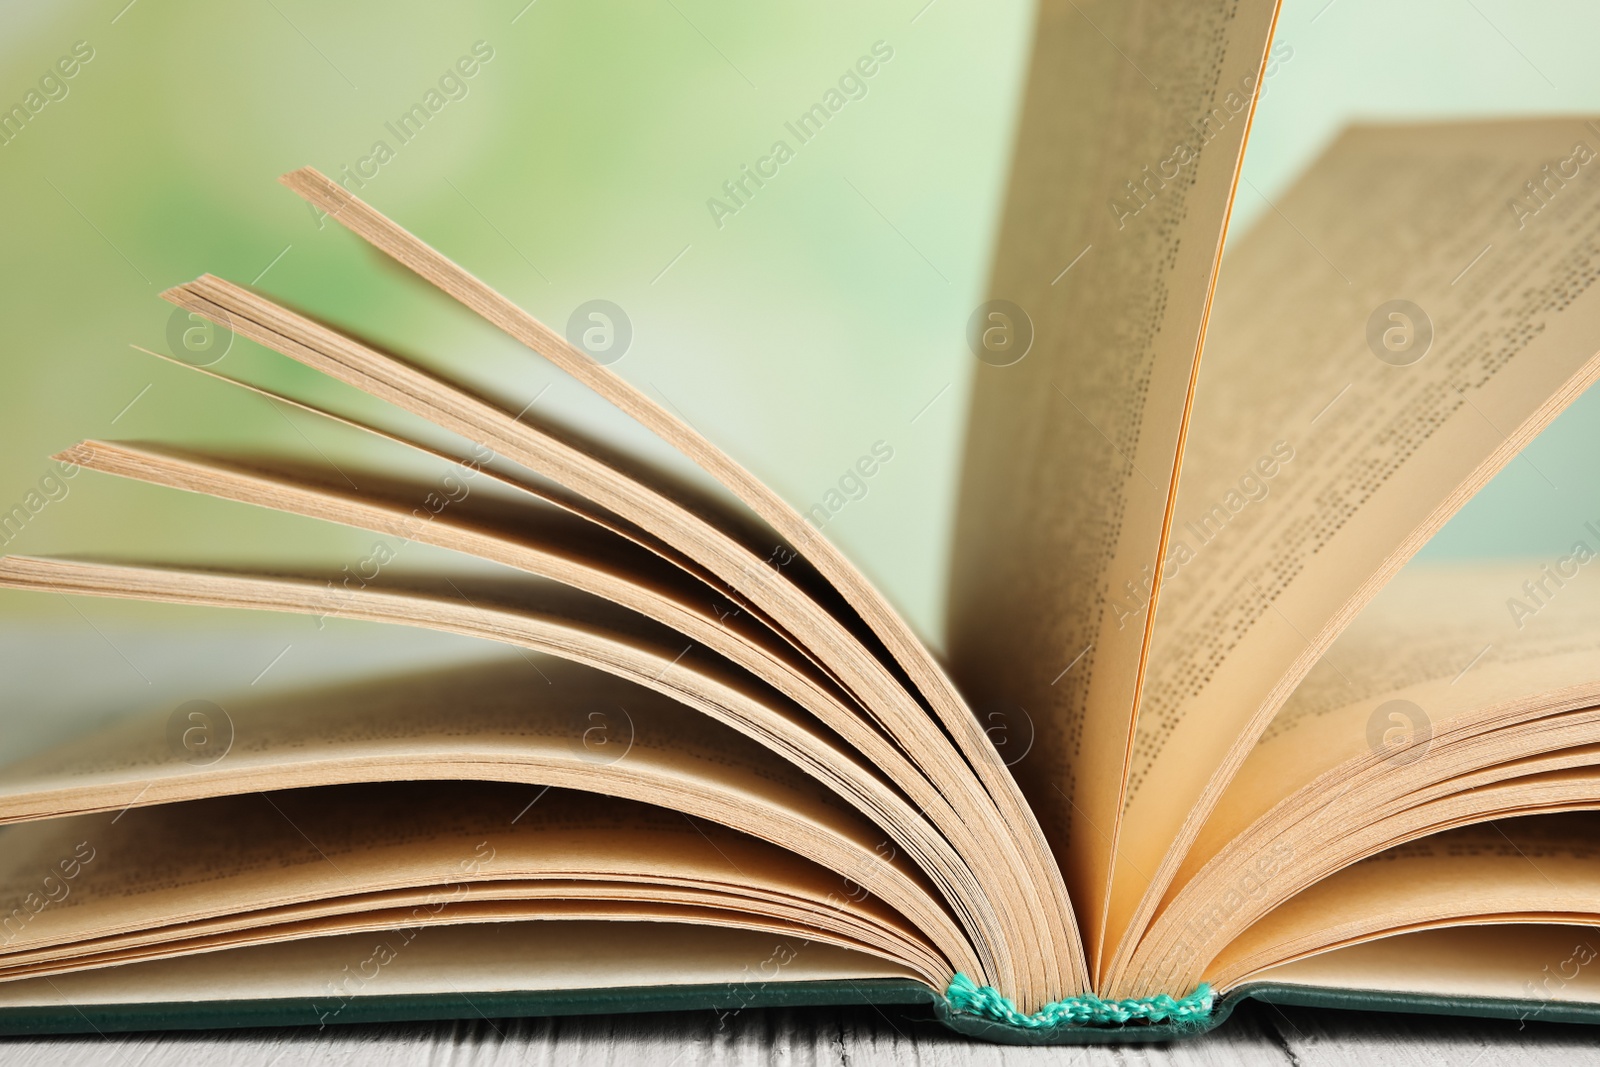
pixel 1088 1010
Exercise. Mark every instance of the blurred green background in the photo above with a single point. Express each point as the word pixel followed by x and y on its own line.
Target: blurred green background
pixel 823 317
pixel 1437 59
pixel 576 164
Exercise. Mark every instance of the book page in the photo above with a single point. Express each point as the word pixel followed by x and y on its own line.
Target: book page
pixel 1513 870
pixel 493 958
pixel 1537 963
pixel 1350 758
pixel 501 528
pixel 546 723
pixel 549 619
pixel 1441 639
pixel 473 510
pixel 1038 940
pixel 1335 429
pixel 710 535
pixel 1549 765
pixel 1133 121
pixel 398 926
pixel 166 875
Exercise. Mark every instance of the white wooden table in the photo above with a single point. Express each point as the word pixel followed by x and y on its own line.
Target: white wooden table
pixel 1290 1037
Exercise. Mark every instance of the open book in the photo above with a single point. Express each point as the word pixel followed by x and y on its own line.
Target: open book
pixel 1196 737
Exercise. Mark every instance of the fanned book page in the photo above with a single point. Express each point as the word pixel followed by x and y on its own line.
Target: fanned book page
pixel 1202 734
pixel 1072 452
pixel 1376 417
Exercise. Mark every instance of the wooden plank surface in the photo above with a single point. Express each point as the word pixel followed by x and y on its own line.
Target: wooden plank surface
pixel 1256 1035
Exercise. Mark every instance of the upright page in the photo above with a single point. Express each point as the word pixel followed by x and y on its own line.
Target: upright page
pixel 1108 248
